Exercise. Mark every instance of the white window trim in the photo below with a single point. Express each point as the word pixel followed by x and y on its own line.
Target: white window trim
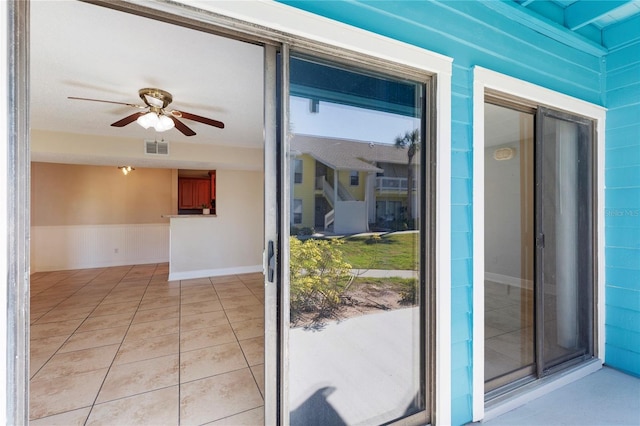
pixel 486 79
pixel 288 21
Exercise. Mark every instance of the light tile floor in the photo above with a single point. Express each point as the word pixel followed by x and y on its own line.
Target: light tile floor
pixel 125 346
pixel 509 343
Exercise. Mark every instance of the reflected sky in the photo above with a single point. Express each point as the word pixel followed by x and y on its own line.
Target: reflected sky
pixel 347 122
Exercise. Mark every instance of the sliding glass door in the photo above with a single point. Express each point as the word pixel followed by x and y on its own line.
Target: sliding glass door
pixel 354 304
pixel 509 245
pixel 565 238
pixel 538 242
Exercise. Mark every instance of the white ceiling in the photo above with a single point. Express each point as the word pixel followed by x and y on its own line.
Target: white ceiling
pixel 83 50
pixel 503 126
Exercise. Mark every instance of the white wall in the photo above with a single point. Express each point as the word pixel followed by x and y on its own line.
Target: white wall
pixel 233 239
pixel 55 248
pixel 502 218
pixel 351 217
pixel 71 148
pixel 231 242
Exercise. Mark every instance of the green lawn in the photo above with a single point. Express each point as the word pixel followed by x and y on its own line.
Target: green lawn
pixel 392 251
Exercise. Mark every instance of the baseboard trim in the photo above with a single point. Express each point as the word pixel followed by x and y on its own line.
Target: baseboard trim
pixel 507 280
pixel 203 273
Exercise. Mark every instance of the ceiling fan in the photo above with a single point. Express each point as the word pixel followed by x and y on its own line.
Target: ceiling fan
pixel 157 115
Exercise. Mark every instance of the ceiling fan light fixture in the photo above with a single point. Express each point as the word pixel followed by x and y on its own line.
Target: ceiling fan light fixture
pixel 149 119
pixel 159 121
pixel 164 123
pixel 157 115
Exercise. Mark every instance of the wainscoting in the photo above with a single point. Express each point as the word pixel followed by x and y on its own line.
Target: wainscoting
pixel 56 248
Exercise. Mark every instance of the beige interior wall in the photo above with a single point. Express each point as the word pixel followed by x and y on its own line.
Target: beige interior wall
pixel 66 194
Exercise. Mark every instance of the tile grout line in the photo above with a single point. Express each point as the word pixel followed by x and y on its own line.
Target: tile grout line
pixel 238 340
pixel 82 322
pixel 74 330
pixel 119 346
pixel 148 287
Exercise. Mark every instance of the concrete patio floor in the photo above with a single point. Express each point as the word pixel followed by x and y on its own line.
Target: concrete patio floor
pixel 607 397
pixel 327 385
pixel 363 370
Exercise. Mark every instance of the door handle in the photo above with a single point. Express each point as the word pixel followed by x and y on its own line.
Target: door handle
pixel 271 261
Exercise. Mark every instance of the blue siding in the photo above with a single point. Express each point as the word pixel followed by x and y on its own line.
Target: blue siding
pixel 622 199
pixel 472 33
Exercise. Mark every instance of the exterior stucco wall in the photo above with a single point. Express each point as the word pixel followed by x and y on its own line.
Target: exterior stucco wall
pixel 305 191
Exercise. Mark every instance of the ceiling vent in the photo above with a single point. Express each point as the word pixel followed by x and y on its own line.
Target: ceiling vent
pixel 156 148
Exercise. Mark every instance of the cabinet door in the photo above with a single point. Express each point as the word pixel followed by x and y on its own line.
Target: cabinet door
pixel 186 194
pixel 202 192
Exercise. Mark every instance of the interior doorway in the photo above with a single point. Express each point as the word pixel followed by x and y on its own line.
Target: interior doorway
pixel 539 233
pixel 113 338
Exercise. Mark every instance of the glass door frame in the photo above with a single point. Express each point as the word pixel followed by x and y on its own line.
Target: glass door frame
pixel 487 81
pixel 585 220
pixel 527 212
pixel 428 176
pixel 536 208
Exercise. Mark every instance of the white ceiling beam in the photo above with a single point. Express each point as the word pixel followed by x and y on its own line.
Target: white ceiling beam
pixel 582 13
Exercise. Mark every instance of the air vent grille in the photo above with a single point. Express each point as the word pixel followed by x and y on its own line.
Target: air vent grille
pixel 156 148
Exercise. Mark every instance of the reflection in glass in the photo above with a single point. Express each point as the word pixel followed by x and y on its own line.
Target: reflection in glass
pixel 355 310
pixel 509 246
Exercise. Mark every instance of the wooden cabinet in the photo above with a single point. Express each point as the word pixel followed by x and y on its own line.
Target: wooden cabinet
pixel 212 177
pixel 203 193
pixel 193 193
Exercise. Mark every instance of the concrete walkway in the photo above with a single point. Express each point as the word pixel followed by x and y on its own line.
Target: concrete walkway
pixel 384 273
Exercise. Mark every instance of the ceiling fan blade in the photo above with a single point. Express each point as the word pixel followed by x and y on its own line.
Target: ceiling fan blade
pixel 128 119
pixel 181 126
pixel 201 119
pixel 107 102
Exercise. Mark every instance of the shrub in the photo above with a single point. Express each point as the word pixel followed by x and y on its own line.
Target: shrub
pixel 409 293
pixel 373 239
pixel 296 230
pixel 306 231
pixel 318 275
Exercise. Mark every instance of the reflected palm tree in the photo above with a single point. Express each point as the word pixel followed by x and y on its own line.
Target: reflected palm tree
pixel 411 141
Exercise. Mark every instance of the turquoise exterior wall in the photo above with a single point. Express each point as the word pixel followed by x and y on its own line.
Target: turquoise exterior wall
pixel 622 202
pixel 475 33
